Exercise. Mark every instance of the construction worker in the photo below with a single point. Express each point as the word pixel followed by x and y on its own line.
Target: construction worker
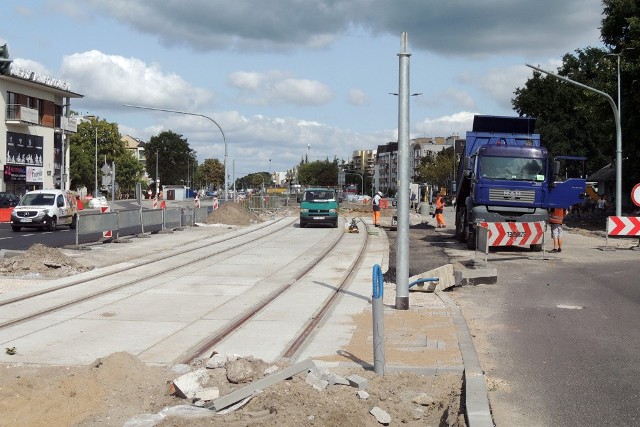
pixel 438 212
pixel 376 208
pixel 556 217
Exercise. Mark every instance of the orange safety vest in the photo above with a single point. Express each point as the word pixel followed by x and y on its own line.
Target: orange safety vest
pixel 439 204
pixel 556 216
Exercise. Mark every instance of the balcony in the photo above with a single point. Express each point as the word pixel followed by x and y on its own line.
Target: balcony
pixel 20 115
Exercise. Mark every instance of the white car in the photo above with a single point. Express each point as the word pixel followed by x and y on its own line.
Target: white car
pixel 97 202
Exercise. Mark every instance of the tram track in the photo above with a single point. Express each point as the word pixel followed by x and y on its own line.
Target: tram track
pixel 127 268
pixel 279 283
pixel 298 341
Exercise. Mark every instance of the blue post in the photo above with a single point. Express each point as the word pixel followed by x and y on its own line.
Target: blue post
pixel 378 320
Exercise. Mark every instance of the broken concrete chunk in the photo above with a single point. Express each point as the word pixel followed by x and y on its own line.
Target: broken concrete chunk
pixel 423 399
pixel 316 382
pixel 332 379
pixel 381 415
pixel 207 394
pixel 188 384
pixel 271 369
pixel 357 381
pixel 362 395
pixel 240 371
pixel 217 361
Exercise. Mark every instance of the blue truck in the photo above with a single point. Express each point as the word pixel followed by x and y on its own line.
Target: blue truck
pixel 505 175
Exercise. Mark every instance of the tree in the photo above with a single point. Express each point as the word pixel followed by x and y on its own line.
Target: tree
pixel 174 157
pixel 319 173
pixel 111 148
pixel 211 173
pixel 436 170
pixel 577 122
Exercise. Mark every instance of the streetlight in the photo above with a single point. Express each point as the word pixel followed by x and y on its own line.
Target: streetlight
pixel 361 180
pixel 224 138
pixel 619 146
pixel 95 191
pixel 616 117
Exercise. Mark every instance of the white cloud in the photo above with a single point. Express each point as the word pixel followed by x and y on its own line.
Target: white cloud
pixel 115 80
pixel 458 123
pixel 357 97
pixel 277 87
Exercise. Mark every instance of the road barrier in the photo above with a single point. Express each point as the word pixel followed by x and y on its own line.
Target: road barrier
pixel 623 226
pixel 509 234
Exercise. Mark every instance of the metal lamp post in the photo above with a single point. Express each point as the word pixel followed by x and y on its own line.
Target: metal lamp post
pixel 616 116
pixel 224 138
pixel 95 188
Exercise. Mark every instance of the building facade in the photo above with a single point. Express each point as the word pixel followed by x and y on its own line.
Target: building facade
pixel 37 109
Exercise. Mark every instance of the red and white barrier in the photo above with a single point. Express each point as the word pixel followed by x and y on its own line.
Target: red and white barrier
pixel 514 233
pixel 623 226
pixel 155 203
pixel 109 233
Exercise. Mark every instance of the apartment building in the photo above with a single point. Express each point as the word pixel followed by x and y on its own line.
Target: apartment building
pixel 36 123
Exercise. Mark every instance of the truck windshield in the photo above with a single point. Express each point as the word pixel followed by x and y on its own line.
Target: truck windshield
pixel 512 168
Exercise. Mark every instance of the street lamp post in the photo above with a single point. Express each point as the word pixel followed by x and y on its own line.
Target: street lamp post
pixel 224 138
pixel 361 180
pixel 95 188
pixel 616 117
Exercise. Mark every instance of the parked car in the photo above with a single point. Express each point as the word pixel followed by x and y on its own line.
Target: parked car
pixel 45 209
pixel 8 200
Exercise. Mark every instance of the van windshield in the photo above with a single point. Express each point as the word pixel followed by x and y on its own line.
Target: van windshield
pixel 319 196
pixel 38 200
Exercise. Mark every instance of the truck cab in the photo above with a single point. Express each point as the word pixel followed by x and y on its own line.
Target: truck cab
pixel 506 176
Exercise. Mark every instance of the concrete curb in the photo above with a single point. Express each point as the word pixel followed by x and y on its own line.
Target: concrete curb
pixel 477 410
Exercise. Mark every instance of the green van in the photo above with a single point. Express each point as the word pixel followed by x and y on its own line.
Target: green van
pixel 319 206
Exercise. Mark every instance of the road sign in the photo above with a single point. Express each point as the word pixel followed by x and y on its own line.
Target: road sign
pixel 623 226
pixel 635 195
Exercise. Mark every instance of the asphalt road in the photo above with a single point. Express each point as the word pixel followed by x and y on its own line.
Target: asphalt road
pixel 559 338
pixel 26 237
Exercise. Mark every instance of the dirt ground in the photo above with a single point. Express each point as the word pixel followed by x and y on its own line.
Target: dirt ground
pixel 119 389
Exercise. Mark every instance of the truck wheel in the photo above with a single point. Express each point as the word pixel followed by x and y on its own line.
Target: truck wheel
pixel 335 224
pixel 52 224
pixel 471 241
pixel 460 227
pixel 74 222
pixel 16 227
pixel 302 224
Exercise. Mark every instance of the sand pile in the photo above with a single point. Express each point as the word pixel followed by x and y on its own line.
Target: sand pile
pixel 41 260
pixel 233 214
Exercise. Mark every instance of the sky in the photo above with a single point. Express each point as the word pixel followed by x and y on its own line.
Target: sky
pixel 287 79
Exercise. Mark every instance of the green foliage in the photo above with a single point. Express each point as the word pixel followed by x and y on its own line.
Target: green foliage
pixel 578 122
pixel 110 148
pixel 319 173
pixel 211 173
pixel 436 169
pixel 254 180
pixel 175 159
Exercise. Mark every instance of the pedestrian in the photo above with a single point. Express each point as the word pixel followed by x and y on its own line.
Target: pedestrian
pixel 602 203
pixel 439 211
pixel 556 217
pixel 376 208
pixel 196 201
pixel 413 200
